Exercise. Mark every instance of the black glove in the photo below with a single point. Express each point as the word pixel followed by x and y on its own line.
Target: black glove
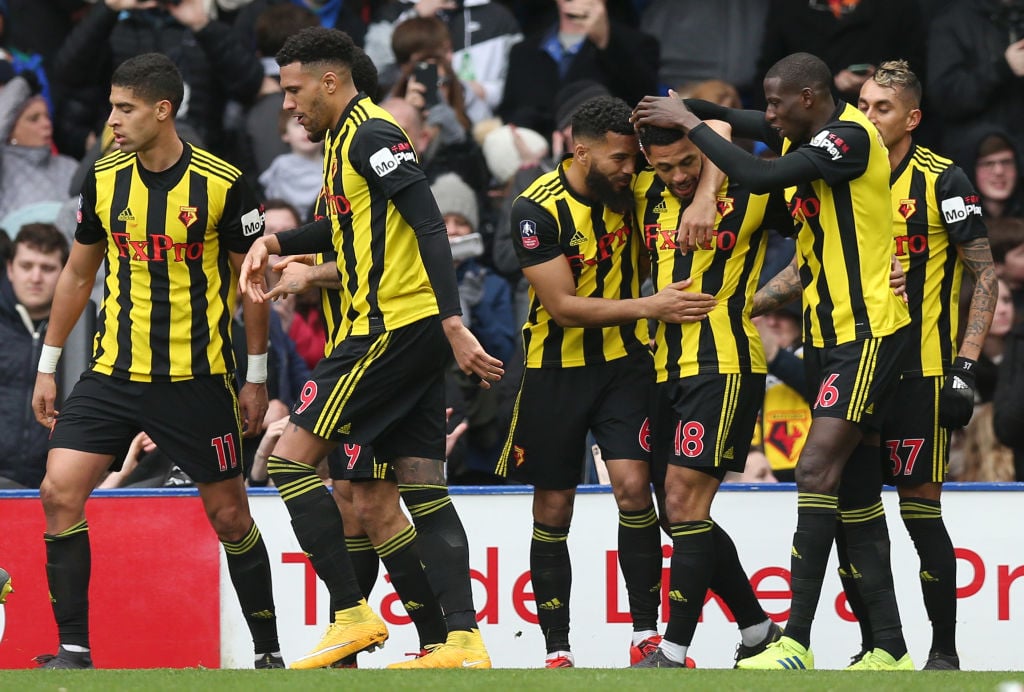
pixel 956 401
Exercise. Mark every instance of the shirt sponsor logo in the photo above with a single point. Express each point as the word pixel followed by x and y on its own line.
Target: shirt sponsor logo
pixel 528 233
pixel 252 221
pixel 956 209
pixel 384 161
pixel 155 248
pixel 832 143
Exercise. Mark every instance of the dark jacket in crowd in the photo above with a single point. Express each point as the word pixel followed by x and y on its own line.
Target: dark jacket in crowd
pixel 628 66
pixel 1008 402
pixel 23 442
pixel 214 64
pixel 969 82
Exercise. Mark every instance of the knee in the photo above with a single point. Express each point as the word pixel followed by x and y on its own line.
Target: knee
pixel 816 475
pixel 633 492
pixel 686 502
pixel 373 513
pixel 553 508
pixel 230 521
pixel 59 498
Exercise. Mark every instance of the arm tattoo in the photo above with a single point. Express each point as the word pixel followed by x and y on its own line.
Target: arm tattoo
pixel 783 288
pixel 977 257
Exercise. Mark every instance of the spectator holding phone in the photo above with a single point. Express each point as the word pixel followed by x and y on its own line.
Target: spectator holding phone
pixel 428 83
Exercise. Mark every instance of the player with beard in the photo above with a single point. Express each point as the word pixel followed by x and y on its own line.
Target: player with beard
pixel 835 171
pixel 710 383
pixel 588 363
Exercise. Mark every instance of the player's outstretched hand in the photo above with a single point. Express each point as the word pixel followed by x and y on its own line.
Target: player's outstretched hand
pixel 252 279
pixel 470 355
pixel 677 305
pixel 664 111
pixel 295 271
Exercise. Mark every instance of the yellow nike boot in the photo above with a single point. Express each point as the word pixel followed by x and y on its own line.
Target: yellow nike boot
pixel 462 650
pixel 353 630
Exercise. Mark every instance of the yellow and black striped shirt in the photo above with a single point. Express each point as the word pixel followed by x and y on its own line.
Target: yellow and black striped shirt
pixel 935 208
pixel 548 221
pixel 383 281
pixel 726 342
pixel 170 289
pixel 845 240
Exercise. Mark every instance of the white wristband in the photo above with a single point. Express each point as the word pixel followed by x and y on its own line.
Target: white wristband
pixel 48 358
pixel 256 371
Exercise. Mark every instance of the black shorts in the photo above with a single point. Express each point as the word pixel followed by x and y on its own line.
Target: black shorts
pixel 856 381
pixel 352 462
pixel 194 422
pixel 557 406
pixel 705 421
pixel 385 390
pixel 915 448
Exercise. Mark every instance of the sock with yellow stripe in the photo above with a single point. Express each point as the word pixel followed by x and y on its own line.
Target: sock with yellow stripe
pixel 923 519
pixel 401 558
pixel 444 549
pixel 365 562
pixel 849 578
pixel 551 574
pixel 693 563
pixel 249 568
pixel 640 561
pixel 867 546
pixel 68 567
pixel 317 524
pixel 730 582
pixel 812 543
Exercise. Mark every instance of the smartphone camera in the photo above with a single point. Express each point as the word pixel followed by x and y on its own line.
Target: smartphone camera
pixel 426 74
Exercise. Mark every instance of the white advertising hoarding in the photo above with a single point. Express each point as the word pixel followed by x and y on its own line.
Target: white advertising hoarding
pixel 984 525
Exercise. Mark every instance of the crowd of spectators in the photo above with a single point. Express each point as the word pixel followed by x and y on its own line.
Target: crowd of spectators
pixel 485 89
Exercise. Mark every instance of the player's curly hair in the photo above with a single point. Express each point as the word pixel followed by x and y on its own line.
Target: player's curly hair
pixel 600 115
pixel 651 135
pixel 896 74
pixel 152 77
pixel 316 45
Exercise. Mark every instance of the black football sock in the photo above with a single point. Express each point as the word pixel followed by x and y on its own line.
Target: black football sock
pixel 444 549
pixel 923 519
pixel 364 561
pixel 249 567
pixel 867 546
pixel 640 561
pixel 551 574
pixel 867 542
pixel 318 527
pixel 849 579
pixel 812 542
pixel 401 559
pixel 730 582
pixel 68 567
pixel 693 563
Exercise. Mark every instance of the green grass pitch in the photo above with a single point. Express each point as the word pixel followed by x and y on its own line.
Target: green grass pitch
pixel 591 679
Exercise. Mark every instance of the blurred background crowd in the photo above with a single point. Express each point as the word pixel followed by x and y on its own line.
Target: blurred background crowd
pixel 485 90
